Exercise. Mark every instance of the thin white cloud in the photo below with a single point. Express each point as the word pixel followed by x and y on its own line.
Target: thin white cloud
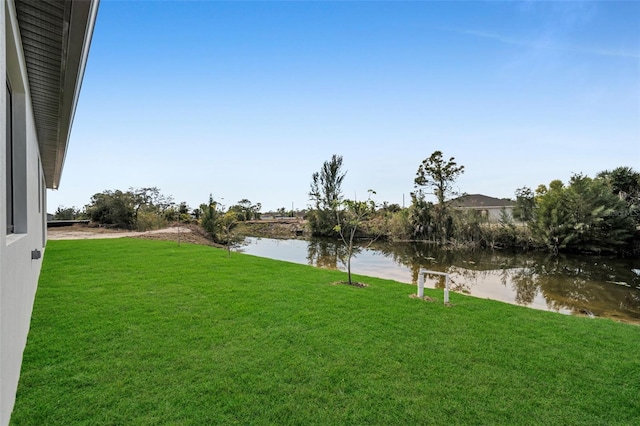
pixel 549 45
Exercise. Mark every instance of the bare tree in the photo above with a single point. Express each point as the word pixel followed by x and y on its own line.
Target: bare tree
pixel 350 219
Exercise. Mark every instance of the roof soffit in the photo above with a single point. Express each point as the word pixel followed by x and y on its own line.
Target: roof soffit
pixel 55 35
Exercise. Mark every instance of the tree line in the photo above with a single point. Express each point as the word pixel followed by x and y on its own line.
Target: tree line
pixel 597 215
pixel 144 209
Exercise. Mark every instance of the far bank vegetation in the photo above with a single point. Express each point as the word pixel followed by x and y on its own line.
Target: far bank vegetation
pixel 599 214
pixel 591 215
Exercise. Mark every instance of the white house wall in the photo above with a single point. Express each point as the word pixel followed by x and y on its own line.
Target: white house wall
pixel 495 213
pixel 18 271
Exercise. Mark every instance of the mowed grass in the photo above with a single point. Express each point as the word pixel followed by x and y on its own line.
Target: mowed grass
pixel 145 332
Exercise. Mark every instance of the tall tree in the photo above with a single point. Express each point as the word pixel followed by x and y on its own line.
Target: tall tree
pixel 211 215
pixel 326 185
pixel 434 172
pixel 440 176
pixel 326 193
pixel 525 204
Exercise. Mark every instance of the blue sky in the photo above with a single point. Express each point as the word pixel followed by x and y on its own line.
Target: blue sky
pixel 248 99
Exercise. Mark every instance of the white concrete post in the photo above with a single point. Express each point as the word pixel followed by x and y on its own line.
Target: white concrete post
pixel 421 282
pixel 446 289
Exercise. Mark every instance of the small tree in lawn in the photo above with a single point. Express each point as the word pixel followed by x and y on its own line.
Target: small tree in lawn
pixel 227 224
pixel 350 218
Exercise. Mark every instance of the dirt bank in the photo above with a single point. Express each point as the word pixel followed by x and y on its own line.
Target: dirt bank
pixel 186 234
pixel 274 228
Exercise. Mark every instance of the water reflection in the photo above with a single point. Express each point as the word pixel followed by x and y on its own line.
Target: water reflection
pixel 569 284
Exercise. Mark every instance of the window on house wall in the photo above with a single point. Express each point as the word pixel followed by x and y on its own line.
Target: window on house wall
pixel 39 187
pixel 15 149
pixel 43 197
pixel 42 206
pixel 16 161
pixel 9 161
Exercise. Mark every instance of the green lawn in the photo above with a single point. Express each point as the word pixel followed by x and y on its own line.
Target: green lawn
pixel 145 332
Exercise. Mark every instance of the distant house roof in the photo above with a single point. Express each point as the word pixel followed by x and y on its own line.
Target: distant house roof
pixel 479 201
pixel 55 35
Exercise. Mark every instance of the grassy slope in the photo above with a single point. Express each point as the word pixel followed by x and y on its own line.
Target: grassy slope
pixel 145 332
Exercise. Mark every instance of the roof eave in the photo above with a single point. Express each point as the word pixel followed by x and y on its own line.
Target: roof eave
pixel 66 26
pixel 82 22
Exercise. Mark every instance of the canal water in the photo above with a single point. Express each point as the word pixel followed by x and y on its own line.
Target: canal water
pixel 581 285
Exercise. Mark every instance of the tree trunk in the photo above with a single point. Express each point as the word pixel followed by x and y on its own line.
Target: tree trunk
pixel 350 253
